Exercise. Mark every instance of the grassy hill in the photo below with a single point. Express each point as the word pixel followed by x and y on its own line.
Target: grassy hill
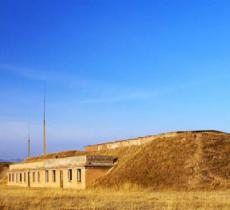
pixel 191 160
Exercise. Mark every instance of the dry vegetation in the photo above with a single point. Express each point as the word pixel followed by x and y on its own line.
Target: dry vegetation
pixel 190 171
pixel 128 198
pixel 187 162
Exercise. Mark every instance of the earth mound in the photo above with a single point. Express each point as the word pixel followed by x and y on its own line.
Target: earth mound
pixel 191 160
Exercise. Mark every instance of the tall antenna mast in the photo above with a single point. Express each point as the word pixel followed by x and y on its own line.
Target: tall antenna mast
pixel 28 143
pixel 44 127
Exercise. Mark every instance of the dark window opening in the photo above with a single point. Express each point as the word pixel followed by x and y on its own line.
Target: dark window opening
pixel 78 175
pixel 70 175
pixel 20 177
pixel 54 176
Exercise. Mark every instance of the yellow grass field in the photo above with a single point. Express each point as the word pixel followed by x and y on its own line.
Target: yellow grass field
pixel 12 198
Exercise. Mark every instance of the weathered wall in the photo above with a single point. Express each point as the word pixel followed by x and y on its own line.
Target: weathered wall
pixel 29 172
pixel 146 139
pixel 127 143
pixel 94 173
pixel 51 183
pixel 74 184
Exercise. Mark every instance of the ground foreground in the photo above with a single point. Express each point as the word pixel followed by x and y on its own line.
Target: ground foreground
pixel 46 199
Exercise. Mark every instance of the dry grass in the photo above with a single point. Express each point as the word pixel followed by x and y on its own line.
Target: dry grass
pixel 186 162
pixel 190 171
pixel 133 199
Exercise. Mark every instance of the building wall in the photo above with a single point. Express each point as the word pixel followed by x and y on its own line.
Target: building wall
pixel 93 173
pixel 74 184
pixel 127 143
pixel 31 178
pixel 15 178
pixel 55 173
pixel 88 176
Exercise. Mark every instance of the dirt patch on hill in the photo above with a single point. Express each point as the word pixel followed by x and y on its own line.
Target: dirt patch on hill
pixel 188 161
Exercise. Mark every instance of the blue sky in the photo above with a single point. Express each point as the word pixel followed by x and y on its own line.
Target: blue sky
pixel 111 70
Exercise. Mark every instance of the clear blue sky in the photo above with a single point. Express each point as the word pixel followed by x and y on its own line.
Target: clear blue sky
pixel 112 69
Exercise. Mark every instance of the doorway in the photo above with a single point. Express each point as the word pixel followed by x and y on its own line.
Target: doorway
pixel 28 179
pixel 61 179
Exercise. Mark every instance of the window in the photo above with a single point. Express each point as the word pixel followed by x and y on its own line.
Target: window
pixel 54 175
pixel 78 175
pixel 12 177
pixel 20 177
pixel 47 176
pixel 9 177
pixel 38 176
pixel 70 175
pixel 24 176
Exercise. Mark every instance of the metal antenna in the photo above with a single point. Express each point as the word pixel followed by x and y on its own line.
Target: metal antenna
pixel 44 127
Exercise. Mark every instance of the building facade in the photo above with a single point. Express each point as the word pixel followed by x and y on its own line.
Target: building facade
pixel 128 142
pixel 77 172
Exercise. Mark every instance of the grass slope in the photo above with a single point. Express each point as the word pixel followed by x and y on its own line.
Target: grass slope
pixel 188 161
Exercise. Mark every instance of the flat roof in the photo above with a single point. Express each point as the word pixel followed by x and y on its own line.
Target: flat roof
pixel 83 160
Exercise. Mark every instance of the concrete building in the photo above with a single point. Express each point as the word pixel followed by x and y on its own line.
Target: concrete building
pixel 77 172
pixel 127 142
pixel 146 139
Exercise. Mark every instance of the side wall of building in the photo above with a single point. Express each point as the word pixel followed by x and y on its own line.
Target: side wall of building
pixel 54 178
pixel 74 182
pixel 93 173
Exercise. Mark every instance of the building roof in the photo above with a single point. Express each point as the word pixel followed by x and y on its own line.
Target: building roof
pixel 83 161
